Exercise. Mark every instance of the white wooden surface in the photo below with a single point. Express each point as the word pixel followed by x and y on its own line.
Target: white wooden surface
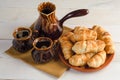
pixel 14 13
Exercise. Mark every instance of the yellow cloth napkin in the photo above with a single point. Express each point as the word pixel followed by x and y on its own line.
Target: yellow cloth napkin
pixel 56 68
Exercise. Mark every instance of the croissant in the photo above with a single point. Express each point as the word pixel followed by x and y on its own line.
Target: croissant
pixel 82 33
pixel 66 46
pixel 80 59
pixel 97 60
pixel 100 45
pixel 106 37
pixel 82 47
pixel 99 30
pixel 67 34
pixel 78 28
pixel 79 47
pixel 110 49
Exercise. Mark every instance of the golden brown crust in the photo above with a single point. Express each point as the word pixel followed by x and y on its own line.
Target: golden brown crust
pixel 91 46
pixel 82 47
pixel 66 46
pixel 100 45
pixel 100 31
pixel 82 33
pixel 68 34
pixel 79 47
pixel 110 49
pixel 97 60
pixel 106 37
pixel 80 59
pixel 90 35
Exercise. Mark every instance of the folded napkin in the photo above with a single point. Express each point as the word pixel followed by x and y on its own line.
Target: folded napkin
pixel 56 68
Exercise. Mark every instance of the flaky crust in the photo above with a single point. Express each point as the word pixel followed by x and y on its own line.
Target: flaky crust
pixel 97 60
pixel 80 59
pixel 79 47
pixel 82 33
pixel 82 47
pixel 66 46
pixel 106 37
pixel 99 30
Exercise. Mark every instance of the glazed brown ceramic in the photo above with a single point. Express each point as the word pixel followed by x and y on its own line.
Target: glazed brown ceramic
pixel 48 25
pixel 86 68
pixel 43 50
pixel 22 41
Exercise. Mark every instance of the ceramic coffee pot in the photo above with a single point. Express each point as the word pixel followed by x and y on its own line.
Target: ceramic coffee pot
pixel 22 41
pixel 48 25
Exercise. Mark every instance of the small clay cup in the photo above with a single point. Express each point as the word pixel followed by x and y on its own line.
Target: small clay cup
pixel 43 50
pixel 22 41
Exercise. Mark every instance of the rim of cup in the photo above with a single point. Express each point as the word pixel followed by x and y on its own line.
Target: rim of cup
pixel 42 38
pixel 20 29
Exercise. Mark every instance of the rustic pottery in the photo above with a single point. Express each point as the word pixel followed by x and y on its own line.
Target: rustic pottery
pixel 22 41
pixel 43 50
pixel 48 25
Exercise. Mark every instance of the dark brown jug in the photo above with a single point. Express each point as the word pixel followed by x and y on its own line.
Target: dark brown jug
pixel 48 25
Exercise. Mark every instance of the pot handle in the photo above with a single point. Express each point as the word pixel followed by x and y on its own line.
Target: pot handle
pixel 76 13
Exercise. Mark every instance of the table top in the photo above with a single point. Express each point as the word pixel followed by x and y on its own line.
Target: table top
pixel 15 13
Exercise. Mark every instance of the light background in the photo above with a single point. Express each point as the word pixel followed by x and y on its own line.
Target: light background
pixel 16 13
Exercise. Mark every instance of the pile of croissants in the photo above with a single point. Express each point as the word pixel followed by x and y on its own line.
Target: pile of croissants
pixel 87 46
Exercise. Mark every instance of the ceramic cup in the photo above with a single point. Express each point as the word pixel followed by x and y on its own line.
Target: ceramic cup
pixel 43 50
pixel 22 41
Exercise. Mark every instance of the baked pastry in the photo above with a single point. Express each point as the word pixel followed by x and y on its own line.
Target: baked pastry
pixel 66 46
pixel 106 37
pixel 82 47
pixel 80 59
pixel 100 31
pixel 100 45
pixel 82 33
pixel 86 47
pixel 109 43
pixel 68 34
pixel 79 47
pixel 97 60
